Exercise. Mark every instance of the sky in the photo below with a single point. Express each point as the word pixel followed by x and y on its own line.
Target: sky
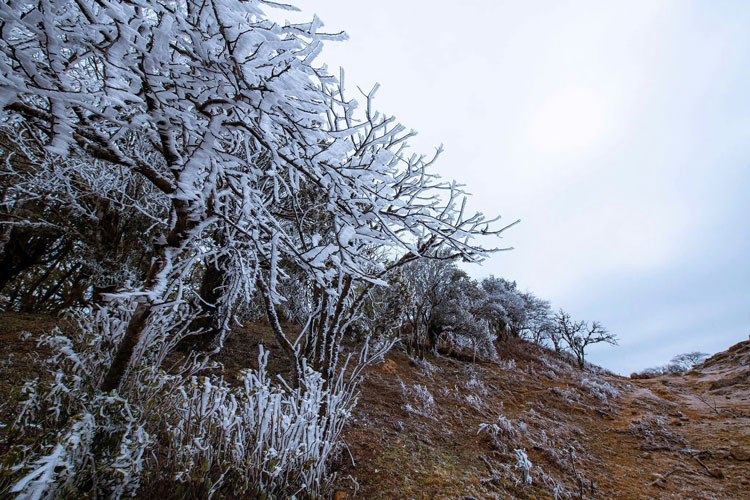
pixel 618 132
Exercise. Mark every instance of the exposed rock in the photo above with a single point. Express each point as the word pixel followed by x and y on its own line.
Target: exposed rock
pixel 740 453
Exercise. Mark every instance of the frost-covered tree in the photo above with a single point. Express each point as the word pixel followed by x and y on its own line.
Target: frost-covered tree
pixel 686 361
pixel 430 281
pixel 678 364
pixel 459 317
pixel 249 142
pixel 538 322
pixel 252 170
pixel 505 307
pixel 385 309
pixel 513 313
pixel 444 306
pixel 578 335
pixel 72 228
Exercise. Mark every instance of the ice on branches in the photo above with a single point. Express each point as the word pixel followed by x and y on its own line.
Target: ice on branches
pixel 174 163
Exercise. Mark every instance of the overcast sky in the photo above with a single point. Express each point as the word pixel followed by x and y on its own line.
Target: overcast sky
pixel 618 132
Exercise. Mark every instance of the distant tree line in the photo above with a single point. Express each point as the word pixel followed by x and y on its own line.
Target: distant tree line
pixel 678 364
pixel 432 303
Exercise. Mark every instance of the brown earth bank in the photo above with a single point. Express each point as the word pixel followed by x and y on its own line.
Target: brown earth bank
pixel 446 427
pixel 588 434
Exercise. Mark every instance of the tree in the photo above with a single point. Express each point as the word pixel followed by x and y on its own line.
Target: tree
pixel 538 319
pixel 385 311
pixel 504 308
pixel 251 171
pixel 578 335
pixel 223 112
pixel 686 361
pixel 459 315
pixel 72 227
pixel 678 364
pixel 428 280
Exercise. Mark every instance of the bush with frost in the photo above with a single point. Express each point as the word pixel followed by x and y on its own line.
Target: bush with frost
pixel 524 465
pixel 260 436
pixel 69 437
pixel 601 390
pixel 420 400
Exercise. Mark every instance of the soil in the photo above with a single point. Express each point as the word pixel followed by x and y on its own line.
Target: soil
pixel 672 437
pixel 588 434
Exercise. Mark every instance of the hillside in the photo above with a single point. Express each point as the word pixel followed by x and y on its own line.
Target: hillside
pixel 448 428
pixel 587 435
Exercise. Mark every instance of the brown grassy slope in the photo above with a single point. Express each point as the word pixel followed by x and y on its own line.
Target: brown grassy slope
pixel 587 434
pixel 671 437
pixel 18 335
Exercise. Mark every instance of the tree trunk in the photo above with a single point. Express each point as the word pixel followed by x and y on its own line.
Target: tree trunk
pixel 127 346
pixel 433 335
pixel 178 236
pixel 281 339
pixel 209 322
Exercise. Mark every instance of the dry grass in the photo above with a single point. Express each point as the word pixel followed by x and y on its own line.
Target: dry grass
pixel 402 455
pixel 592 435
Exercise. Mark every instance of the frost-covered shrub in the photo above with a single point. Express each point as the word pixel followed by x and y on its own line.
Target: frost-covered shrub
pixel 556 364
pixel 499 430
pixel 507 364
pixel 260 437
pixel 424 402
pixel 71 438
pixel 559 491
pixel 424 396
pixel 523 464
pixel 474 401
pixel 472 380
pixel 602 391
pixel 425 367
pixel 568 395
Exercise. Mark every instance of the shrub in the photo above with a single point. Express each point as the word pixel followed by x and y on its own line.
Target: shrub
pixel 261 436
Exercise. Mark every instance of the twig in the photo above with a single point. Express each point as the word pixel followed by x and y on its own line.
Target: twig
pixel 656 481
pixel 702 464
pixel 707 404
pixel 716 474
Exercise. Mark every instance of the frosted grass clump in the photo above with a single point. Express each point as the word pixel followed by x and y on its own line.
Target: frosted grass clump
pixel 425 367
pixel 261 436
pixel 474 401
pixel 523 464
pixel 424 402
pixel 602 391
pixel 72 436
pixel 507 365
pixel 501 427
